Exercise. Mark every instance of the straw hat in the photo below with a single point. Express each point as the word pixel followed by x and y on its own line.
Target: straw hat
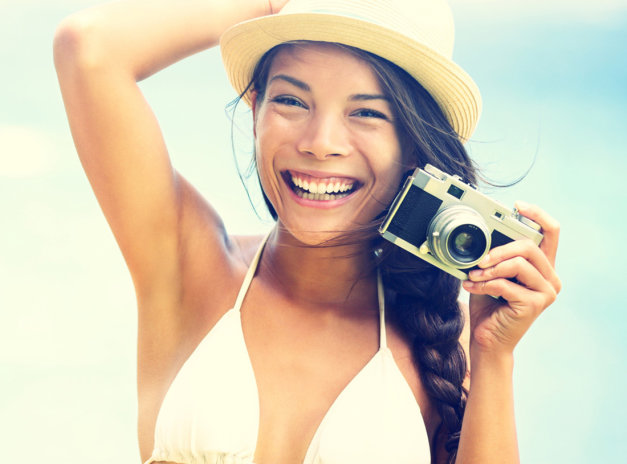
pixel 417 35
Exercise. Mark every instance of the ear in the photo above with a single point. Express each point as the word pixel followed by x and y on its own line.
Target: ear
pixel 253 105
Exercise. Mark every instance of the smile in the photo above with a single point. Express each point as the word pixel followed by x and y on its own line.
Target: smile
pixel 320 189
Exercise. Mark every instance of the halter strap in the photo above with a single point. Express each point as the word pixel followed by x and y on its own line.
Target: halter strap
pixel 250 273
pixel 381 295
pixel 253 268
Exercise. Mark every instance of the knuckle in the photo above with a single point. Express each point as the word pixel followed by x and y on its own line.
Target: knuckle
pixel 545 298
pixel 526 246
pixel 497 286
pixel 550 297
pixel 495 253
pixel 489 287
pixel 537 306
pixel 552 226
pixel 490 272
pixel 518 262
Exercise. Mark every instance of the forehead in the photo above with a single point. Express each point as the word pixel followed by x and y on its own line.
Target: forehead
pixel 326 63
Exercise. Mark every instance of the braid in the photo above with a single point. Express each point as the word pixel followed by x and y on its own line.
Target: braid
pixel 423 302
pixel 422 298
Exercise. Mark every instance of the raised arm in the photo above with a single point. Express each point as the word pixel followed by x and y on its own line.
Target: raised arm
pixel 160 223
pixel 100 54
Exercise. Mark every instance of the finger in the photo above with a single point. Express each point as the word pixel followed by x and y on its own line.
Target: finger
pixel 550 227
pixel 526 249
pixel 517 296
pixel 517 268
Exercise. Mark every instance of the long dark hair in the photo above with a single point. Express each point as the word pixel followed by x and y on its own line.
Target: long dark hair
pixel 423 300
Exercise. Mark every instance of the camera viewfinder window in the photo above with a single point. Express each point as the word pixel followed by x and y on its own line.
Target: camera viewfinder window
pixel 455 191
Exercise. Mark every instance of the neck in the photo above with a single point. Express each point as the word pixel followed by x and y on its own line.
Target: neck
pixel 332 275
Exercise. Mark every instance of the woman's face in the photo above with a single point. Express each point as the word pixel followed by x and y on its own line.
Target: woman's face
pixel 328 153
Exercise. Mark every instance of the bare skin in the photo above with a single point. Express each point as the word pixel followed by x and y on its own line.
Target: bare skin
pixel 297 320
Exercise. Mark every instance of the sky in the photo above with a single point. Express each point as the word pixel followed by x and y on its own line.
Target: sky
pixel 553 75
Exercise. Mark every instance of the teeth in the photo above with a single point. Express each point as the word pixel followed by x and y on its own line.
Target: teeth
pixel 319 196
pixel 321 190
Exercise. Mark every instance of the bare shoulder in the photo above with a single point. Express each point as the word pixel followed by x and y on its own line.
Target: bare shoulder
pixel 245 247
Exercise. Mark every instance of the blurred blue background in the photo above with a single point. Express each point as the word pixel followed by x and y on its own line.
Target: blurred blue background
pixel 553 75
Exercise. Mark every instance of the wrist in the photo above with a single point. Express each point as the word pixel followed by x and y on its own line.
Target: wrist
pixel 491 359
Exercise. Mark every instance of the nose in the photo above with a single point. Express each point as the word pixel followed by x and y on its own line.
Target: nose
pixel 323 137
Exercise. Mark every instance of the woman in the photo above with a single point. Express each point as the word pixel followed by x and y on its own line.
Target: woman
pixel 302 363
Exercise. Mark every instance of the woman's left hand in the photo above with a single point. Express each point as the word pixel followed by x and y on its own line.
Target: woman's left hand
pixel 497 325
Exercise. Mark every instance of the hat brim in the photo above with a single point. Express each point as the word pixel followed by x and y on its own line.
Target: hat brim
pixel 452 88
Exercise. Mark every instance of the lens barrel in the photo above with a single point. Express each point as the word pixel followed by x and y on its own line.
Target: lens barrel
pixel 458 236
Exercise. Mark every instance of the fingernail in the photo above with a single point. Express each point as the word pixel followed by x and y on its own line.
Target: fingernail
pixel 475 273
pixel 468 284
pixel 521 204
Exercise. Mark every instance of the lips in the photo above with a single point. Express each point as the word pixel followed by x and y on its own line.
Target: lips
pixel 320 188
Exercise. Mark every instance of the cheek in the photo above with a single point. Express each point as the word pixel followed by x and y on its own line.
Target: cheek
pixel 390 167
pixel 265 170
pixel 392 185
pixel 390 180
pixel 262 168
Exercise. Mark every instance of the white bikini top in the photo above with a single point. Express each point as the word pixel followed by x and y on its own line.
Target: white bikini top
pixel 210 414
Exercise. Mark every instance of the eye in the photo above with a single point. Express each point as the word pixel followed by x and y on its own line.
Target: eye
pixel 288 100
pixel 370 113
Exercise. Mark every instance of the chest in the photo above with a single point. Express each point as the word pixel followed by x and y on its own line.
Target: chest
pixel 302 361
pixel 277 386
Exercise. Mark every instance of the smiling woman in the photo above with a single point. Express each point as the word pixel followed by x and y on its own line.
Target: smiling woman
pixel 318 343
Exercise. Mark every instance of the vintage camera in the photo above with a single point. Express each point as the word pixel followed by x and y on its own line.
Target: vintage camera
pixel 449 223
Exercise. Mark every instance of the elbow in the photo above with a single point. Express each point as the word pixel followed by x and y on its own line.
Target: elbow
pixel 78 43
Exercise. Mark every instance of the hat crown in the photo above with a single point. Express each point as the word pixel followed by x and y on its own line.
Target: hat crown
pixel 429 22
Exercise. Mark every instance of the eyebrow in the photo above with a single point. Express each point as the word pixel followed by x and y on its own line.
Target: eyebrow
pixel 303 86
pixel 367 96
pixel 298 83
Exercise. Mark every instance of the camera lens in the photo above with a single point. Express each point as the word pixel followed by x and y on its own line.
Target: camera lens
pixel 466 243
pixel 458 236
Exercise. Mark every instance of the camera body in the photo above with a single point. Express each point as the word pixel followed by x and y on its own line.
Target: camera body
pixel 449 223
